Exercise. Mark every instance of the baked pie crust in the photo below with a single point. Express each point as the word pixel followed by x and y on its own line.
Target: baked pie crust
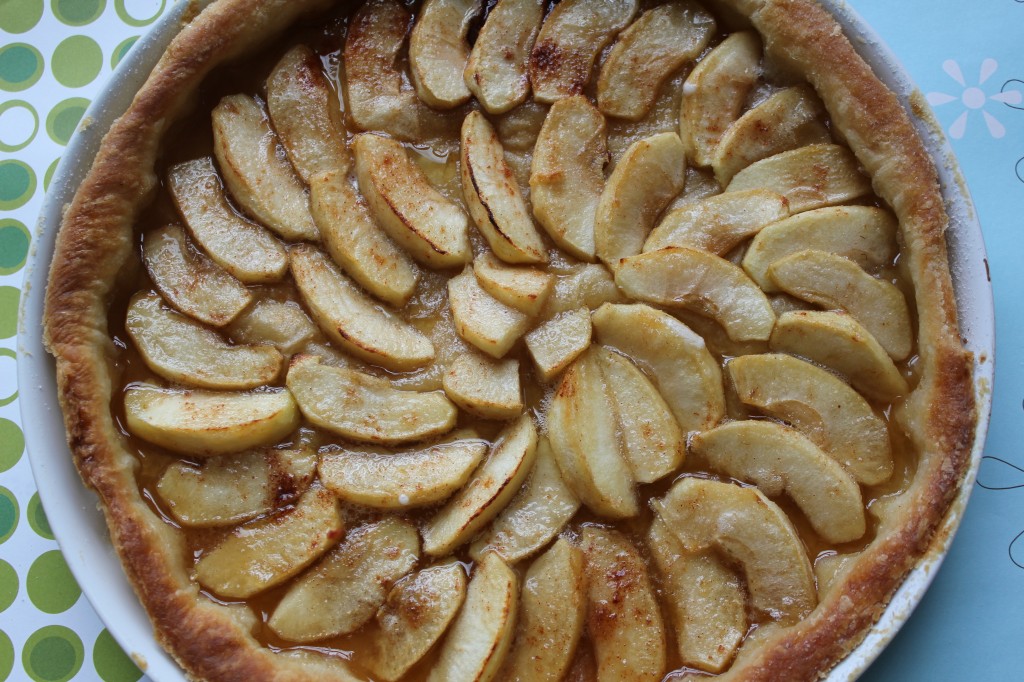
pixel 96 263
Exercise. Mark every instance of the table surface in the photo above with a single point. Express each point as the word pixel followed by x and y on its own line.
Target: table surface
pixel 56 55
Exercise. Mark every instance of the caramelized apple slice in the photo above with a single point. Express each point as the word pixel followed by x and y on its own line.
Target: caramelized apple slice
pixel 718 223
pixel 204 423
pixel 438 51
pixel 701 282
pixel 492 487
pixel 559 341
pixel 525 289
pixel 778 459
pixel 573 34
pixel 306 115
pixel 262 181
pixel 282 325
pixel 809 177
pixel 842 344
pixel 364 408
pixel 407 206
pixel 269 551
pixel 243 248
pixel 415 614
pixel 582 285
pixel 833 281
pixel 481 319
pixel 623 618
pixel 535 515
pixel 705 598
pixel 645 179
pixel 688 376
pixel 821 407
pixel 497 70
pixel 190 281
pixel 486 388
pixel 551 616
pixel 653 48
pixel 750 530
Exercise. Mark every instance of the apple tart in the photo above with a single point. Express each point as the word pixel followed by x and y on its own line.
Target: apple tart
pixel 451 340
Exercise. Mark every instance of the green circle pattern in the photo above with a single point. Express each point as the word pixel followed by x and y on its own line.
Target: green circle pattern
pixel 53 654
pixel 112 663
pixel 17 184
pixel 9 514
pixel 12 444
pixel 10 105
pixel 121 51
pixel 77 12
pixel 6 656
pixel 14 242
pixel 8 316
pixel 76 61
pixel 8 585
pixel 122 12
pixel 37 518
pixel 21 66
pixel 63 119
pixel 7 352
pixel 50 585
pixel 20 16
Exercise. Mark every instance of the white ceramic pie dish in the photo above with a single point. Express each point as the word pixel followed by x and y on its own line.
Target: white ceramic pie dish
pixel 79 525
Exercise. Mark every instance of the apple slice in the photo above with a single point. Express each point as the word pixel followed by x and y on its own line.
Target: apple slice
pixel 809 177
pixel 492 487
pixel 750 530
pixel 383 479
pixel 185 352
pixel 647 53
pixel 536 514
pixel 553 608
pixel 497 70
pixel 825 409
pixel 411 211
pixel 582 285
pixel 481 319
pixel 189 280
pixel 842 344
pixel 715 93
pixel 493 196
pixel 706 599
pixel 438 51
pixel 701 282
pixel 525 289
pixel 556 343
pixel 306 115
pixel 244 249
pixel 833 281
pixel 206 423
pixel 645 179
pixel 415 614
pixel 623 618
pixel 687 375
pixel 345 589
pixel 573 34
pixel 364 408
pixel 778 459
pixel 270 550
pixel 352 319
pixel 262 181
pixel 281 324
pixel 485 388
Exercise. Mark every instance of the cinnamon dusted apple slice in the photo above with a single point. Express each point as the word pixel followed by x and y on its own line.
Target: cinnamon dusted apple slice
pixel 345 589
pixel 438 51
pixel 718 223
pixel 481 319
pixel 778 459
pixel 243 248
pixel 790 118
pixel 185 352
pixel 645 179
pixel 493 196
pixel 715 92
pixel 497 70
pixel 559 341
pixel 623 618
pixel 535 515
pixel 833 281
pixel 525 289
pixel 701 282
pixel 492 487
pixel 582 285
pixel 647 53
pixel 822 407
pixel 190 281
pixel 864 234
pixel 383 479
pixel 415 614
pixel 573 34
pixel 282 325
pixel 479 639
pixel 266 552
pixel 364 408
pixel 352 319
pixel 306 115
pixel 842 344
pixel 567 176
pixel 407 206
pixel 705 598
pixel 809 177
pixel 206 423
pixel 688 376
pixel 486 388
pixel 551 616
pixel 750 530
pixel 262 181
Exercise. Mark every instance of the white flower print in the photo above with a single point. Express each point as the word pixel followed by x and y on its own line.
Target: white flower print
pixel 974 98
